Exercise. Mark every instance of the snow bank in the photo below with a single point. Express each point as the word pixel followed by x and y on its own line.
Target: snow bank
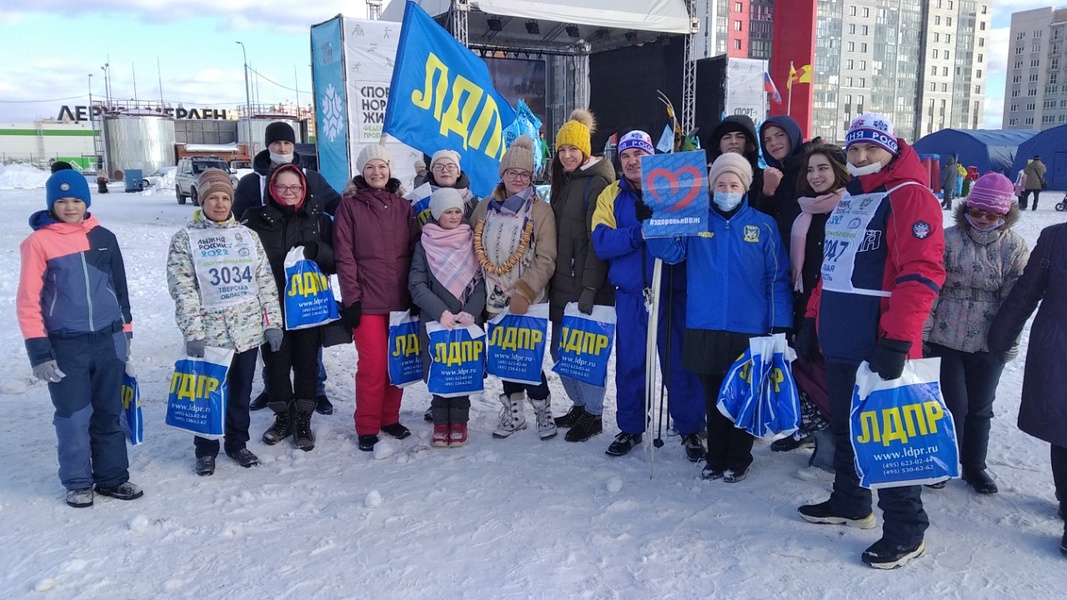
pixel 22 177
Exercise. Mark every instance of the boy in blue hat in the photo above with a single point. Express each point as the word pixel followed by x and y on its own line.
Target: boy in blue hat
pixel 74 312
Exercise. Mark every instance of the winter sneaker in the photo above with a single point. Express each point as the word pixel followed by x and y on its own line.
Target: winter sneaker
pixel 440 436
pixel 243 456
pixel 886 555
pixel 204 466
pixel 283 423
pixel 711 472
pixel 367 442
pixel 981 481
pixel 397 430
pixel 792 443
pixel 546 425
pixel 457 435
pixel 940 485
pixel 303 437
pixel 735 475
pixel 572 416
pixel 512 418
pixel 585 427
pixel 323 406
pixel 694 447
pixel 624 442
pixel 428 415
pixel 822 513
pixel 259 402
pixel 122 491
pixel 82 498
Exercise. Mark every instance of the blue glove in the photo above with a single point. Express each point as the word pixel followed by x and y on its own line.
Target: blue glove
pixel 195 348
pixel 274 338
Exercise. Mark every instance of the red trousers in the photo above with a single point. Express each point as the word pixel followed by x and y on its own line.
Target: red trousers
pixel 377 402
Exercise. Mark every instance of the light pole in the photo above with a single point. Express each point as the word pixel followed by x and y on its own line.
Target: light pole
pixel 103 123
pixel 92 122
pixel 248 99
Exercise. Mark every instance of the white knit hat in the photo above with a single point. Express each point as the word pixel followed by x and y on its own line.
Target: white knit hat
pixel 731 163
pixel 371 152
pixel 450 155
pixel 443 199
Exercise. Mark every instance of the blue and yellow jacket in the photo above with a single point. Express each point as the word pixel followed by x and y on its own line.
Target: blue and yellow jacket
pixel 738 273
pixel 617 239
pixel 72 282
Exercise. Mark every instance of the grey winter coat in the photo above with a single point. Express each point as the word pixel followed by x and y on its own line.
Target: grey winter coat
pixel 981 268
pixel 577 266
pixel 1043 411
pixel 433 299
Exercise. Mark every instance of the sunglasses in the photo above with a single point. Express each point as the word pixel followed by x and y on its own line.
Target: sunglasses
pixel 983 214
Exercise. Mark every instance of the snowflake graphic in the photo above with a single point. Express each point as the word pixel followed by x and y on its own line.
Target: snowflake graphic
pixel 333 122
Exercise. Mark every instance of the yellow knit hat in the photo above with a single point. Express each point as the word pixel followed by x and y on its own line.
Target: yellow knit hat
pixel 577 131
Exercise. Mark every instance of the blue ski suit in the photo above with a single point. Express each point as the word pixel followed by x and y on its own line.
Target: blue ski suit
pixel 617 239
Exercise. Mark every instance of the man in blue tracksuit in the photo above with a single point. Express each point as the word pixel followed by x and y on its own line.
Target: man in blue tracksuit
pixel 617 239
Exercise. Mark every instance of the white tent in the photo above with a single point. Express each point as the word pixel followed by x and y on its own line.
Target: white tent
pixel 561 25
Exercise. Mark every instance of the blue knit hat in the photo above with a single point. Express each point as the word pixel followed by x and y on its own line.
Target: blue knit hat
pixel 67 184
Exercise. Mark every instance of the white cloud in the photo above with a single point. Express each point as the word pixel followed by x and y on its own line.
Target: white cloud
pixel 995 78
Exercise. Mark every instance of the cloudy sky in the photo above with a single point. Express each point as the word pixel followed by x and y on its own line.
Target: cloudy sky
pixel 50 47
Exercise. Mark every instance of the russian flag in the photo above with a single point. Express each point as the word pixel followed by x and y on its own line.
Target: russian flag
pixel 770 88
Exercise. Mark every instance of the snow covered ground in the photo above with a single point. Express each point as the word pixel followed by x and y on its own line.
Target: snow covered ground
pixel 516 518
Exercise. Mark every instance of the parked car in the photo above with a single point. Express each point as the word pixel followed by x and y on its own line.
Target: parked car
pixel 189 170
pixel 156 176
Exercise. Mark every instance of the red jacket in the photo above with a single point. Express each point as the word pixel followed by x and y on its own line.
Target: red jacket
pixel 902 256
pixel 374 235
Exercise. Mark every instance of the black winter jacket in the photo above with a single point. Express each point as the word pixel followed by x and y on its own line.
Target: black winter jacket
pixel 280 228
pixel 251 188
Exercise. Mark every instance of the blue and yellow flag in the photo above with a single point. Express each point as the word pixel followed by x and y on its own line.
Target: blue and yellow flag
pixel 441 97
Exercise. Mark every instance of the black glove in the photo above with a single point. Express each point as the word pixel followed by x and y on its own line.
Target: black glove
pixel 642 211
pixel 889 357
pixel 586 300
pixel 351 315
pixel 414 310
pixel 807 342
pixel 311 250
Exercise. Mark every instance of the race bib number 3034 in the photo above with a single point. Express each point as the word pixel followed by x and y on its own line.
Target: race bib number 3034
pixel 225 264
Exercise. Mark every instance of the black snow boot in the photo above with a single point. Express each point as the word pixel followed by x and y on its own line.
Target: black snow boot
pixel 303 437
pixel 283 423
pixel 585 427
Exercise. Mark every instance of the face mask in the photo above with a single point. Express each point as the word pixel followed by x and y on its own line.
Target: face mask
pixel 996 225
pixel 870 169
pixel 281 159
pixel 727 201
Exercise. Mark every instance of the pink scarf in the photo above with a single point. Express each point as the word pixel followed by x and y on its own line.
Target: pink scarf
pixel 798 237
pixel 450 256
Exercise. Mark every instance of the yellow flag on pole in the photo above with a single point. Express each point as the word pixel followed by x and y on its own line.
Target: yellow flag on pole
pixel 792 76
pixel 804 74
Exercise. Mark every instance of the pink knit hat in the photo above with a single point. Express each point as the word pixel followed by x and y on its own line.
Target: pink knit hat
pixel 992 192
